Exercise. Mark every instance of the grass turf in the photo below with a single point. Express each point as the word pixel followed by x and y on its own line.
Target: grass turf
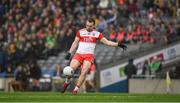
pixel 89 97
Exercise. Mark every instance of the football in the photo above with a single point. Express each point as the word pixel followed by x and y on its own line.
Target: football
pixel 68 71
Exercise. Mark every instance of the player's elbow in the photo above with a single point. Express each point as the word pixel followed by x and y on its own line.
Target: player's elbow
pixel 75 43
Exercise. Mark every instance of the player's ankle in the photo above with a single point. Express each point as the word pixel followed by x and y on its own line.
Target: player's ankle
pixel 76 88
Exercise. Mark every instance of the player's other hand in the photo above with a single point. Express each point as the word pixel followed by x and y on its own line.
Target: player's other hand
pixel 123 46
pixel 68 55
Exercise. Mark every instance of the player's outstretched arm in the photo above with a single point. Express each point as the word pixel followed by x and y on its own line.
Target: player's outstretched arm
pixel 73 47
pixel 111 43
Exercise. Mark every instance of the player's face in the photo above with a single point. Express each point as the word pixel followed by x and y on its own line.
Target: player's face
pixel 89 26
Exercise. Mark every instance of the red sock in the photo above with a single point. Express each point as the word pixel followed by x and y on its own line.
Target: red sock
pixel 66 84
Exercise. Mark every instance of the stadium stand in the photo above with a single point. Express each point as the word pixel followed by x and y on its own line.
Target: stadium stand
pixel 43 30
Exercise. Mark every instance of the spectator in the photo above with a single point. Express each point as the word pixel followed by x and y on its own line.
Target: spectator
pixel 9 71
pixel 121 34
pixel 35 75
pixel 112 33
pixel 61 41
pixel 57 79
pixel 21 79
pixel 58 70
pixel 146 70
pixel 171 33
pixel 132 7
pixel 178 28
pixel 178 12
pixel 177 71
pixel 130 69
pixel 3 59
pixel 155 65
pixel 2 12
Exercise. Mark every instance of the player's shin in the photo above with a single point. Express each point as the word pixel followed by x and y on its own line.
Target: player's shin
pixel 68 79
pixel 79 82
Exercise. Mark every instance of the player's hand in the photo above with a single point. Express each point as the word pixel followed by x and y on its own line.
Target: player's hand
pixel 68 55
pixel 123 46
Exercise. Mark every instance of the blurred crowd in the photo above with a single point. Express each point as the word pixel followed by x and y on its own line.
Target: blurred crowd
pixel 35 29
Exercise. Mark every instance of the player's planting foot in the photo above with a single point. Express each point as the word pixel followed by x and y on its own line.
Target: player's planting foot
pixel 74 92
pixel 64 87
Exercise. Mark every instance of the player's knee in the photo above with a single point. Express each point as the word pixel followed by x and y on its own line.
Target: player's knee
pixel 73 67
pixel 74 64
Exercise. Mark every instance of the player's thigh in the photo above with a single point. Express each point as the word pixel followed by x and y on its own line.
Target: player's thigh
pixel 86 66
pixel 74 64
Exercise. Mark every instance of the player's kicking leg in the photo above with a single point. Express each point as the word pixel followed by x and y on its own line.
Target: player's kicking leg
pixel 74 64
pixel 66 84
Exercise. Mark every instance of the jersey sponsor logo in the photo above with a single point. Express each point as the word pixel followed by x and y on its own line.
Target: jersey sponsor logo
pixel 88 39
pixel 92 34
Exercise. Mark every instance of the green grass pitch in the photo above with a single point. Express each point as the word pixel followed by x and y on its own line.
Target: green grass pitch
pixel 89 97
